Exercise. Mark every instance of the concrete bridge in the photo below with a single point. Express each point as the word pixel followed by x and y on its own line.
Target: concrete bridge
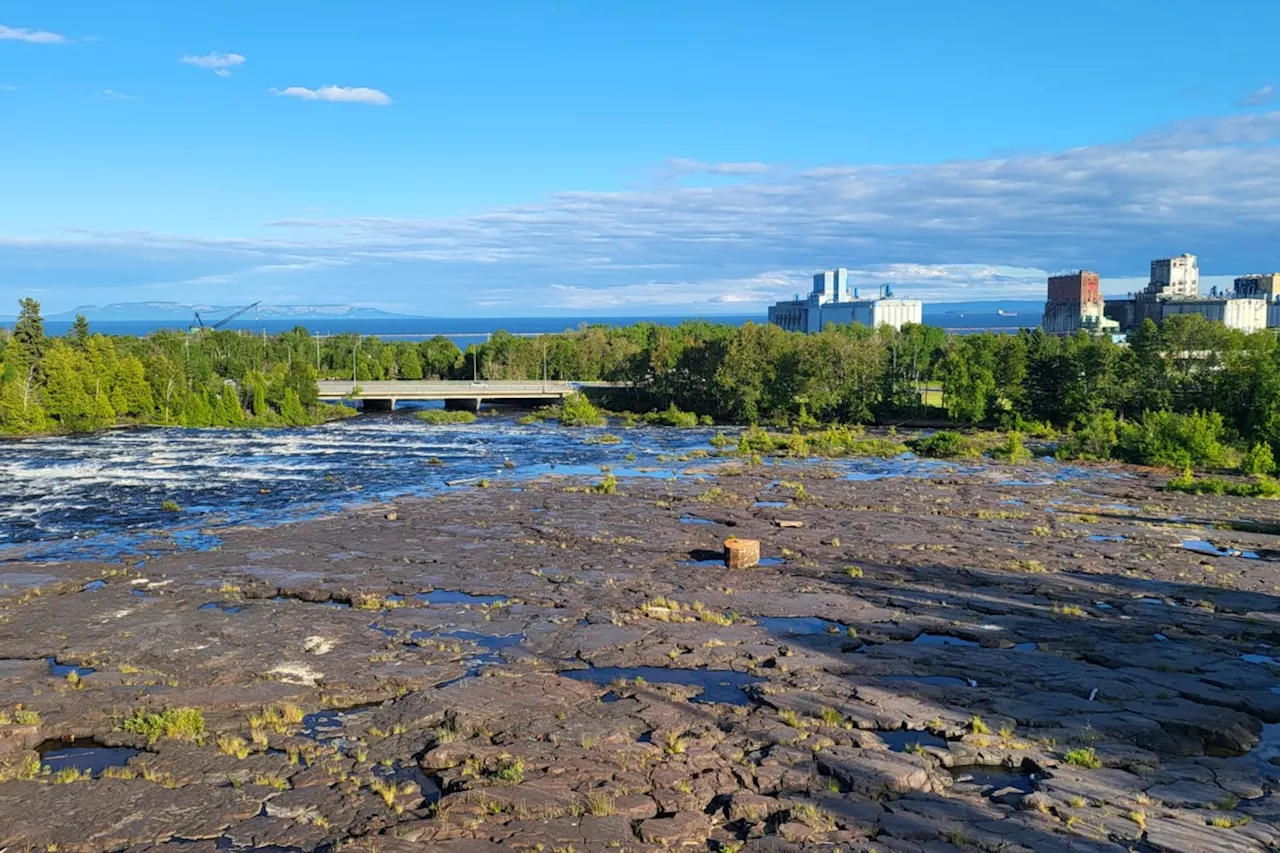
pixel 456 394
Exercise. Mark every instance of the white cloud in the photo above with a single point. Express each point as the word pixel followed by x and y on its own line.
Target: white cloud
pixel 5 87
pixel 117 96
pixel 1263 96
pixel 344 94
pixel 32 36
pixel 971 229
pixel 683 166
pixel 219 63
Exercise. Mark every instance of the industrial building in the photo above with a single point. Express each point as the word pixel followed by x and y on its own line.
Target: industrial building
pixel 1075 302
pixel 1174 288
pixel 830 301
pixel 1175 278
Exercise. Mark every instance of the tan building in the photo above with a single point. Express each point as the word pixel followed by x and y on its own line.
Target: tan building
pixel 1259 286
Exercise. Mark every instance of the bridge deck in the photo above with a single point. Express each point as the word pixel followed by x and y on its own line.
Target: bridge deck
pixel 443 390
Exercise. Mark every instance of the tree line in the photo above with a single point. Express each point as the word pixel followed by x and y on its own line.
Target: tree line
pixel 86 381
pixel 754 373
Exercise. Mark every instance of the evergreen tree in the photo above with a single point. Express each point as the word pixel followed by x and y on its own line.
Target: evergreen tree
pixel 260 408
pixel 20 410
pixel 291 409
pixel 79 330
pixel 197 411
pixel 28 334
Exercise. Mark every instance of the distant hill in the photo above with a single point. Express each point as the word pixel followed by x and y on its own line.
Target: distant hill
pixel 159 311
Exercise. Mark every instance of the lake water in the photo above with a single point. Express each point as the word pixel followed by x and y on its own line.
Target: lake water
pixel 463 331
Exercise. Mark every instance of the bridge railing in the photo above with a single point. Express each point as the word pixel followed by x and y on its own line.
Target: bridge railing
pixel 410 388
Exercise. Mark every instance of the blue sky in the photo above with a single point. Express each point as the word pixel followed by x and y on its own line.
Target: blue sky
pixel 513 158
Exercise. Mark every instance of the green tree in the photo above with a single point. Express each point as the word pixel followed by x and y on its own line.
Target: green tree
pixel 68 396
pixel 131 395
pixel 79 332
pixel 28 334
pixel 409 362
pixel 20 410
pixel 291 409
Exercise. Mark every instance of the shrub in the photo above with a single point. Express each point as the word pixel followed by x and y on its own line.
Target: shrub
pixel 1168 439
pixel 1258 459
pixel 672 416
pixel 1261 486
pixel 170 506
pixel 755 440
pixel 1091 437
pixel 576 410
pixel 175 723
pixel 1012 450
pixel 1086 758
pixel 942 445
pixel 437 417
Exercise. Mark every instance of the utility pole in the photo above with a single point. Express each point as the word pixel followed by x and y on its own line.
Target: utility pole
pixel 544 364
pixel 355 349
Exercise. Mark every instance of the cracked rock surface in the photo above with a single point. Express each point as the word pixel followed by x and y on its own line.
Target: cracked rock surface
pixel 964 662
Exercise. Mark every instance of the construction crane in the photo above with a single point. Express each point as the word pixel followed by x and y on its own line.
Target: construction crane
pixel 200 324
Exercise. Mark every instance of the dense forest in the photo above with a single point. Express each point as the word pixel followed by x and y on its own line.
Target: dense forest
pixel 1194 373
pixel 86 381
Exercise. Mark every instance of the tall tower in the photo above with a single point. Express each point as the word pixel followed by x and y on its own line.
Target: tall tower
pixel 1175 278
pixel 1074 300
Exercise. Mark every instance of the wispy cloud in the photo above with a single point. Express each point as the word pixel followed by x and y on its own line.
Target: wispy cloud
pixel 966 229
pixel 343 94
pixel 1263 96
pixel 116 96
pixel 5 87
pixel 32 36
pixel 684 166
pixel 219 63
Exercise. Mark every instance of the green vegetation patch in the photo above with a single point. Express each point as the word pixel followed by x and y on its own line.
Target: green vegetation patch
pixel 944 445
pixel 174 723
pixel 439 417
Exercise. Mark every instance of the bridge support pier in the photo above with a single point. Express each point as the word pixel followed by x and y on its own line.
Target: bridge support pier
pixel 463 404
pixel 380 404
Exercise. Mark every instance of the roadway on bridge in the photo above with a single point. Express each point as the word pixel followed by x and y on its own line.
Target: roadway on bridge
pixel 442 389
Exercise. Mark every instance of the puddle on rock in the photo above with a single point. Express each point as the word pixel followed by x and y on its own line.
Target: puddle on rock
pixel 902 740
pixel 942 640
pixel 93 585
pixel 62 670
pixel 221 605
pixel 993 781
pixel 1201 546
pixel 1264 659
pixel 720 561
pixel 1101 537
pixel 772 504
pixel 693 519
pixel 327 725
pixel 799 625
pixel 87 756
pixel 448 596
pixel 718 686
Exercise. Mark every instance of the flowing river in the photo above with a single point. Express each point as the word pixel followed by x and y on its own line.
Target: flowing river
pixel 100 496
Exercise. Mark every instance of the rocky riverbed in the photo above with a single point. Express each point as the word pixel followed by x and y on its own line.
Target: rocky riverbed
pixel 988 657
